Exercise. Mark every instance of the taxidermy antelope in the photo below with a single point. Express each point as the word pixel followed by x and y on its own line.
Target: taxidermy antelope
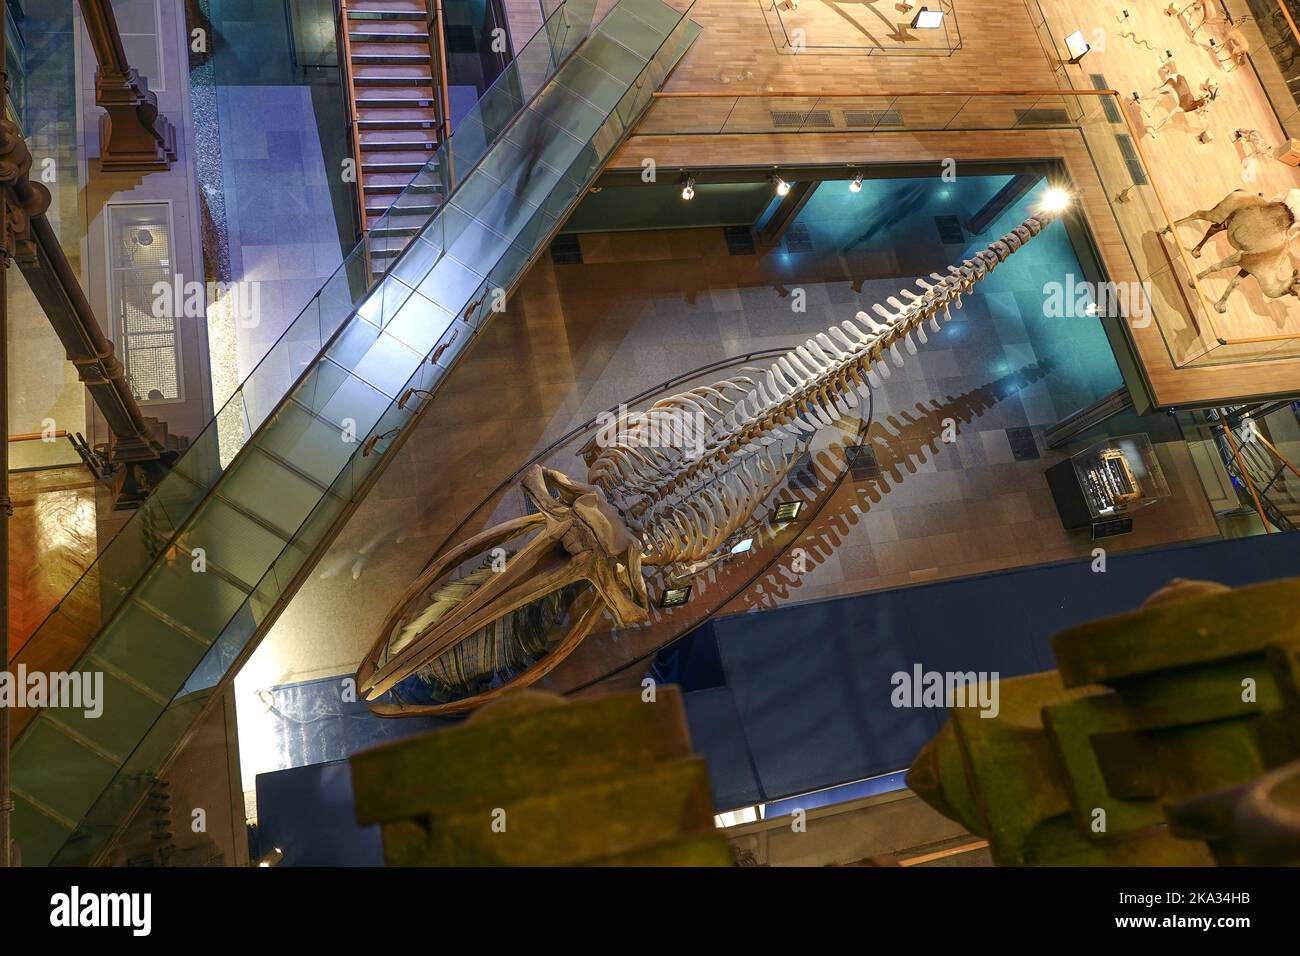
pixel 537 585
pixel 1184 99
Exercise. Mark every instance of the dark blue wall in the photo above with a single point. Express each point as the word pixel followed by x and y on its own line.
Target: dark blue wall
pixel 803 702
pixel 797 699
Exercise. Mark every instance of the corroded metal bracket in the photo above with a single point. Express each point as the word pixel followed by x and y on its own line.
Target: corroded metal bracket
pixel 1164 739
pixel 535 780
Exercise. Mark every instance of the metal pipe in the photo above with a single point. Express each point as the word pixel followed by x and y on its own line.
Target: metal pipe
pixel 1245 474
pixel 37 436
pixel 87 347
pixel 440 47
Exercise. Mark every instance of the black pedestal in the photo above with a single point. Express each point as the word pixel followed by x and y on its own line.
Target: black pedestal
pixel 1071 505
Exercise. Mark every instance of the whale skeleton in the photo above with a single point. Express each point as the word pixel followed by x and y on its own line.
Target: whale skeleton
pixel 672 505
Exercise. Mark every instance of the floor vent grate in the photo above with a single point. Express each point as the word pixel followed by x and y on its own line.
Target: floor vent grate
pixel 1131 159
pixel 864 467
pixel 870 119
pixel 1023 445
pixel 566 250
pixel 803 474
pixel 1108 105
pixel 740 240
pixel 949 230
pixel 798 238
pixel 793 119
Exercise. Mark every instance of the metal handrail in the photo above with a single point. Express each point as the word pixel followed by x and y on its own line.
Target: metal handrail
pixel 438 29
pixel 1249 457
pixel 350 104
pixel 1245 474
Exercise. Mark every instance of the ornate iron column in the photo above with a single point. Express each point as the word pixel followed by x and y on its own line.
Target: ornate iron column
pixel 133 135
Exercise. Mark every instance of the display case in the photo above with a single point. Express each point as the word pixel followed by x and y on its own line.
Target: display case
pixel 1106 482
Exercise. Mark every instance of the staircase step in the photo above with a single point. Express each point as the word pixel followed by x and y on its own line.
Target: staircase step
pixel 397 45
pixel 408 210
pixel 366 123
pixel 390 74
pixel 380 156
pixel 393 98
pixel 389 31
pixel 389 6
pixel 389 232
pixel 412 111
pixel 376 58
pixel 385 141
pixel 374 212
pixel 389 10
pixel 389 165
pixel 381 16
pixel 398 138
pixel 392 182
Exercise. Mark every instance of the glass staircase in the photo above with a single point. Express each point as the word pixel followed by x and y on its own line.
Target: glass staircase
pixel 180 596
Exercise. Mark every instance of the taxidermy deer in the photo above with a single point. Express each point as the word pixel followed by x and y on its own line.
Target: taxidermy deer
pixel 536 585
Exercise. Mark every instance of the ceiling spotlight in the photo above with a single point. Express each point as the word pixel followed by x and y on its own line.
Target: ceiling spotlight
pixel 856 185
pixel 1055 200
pixel 782 187
pixel 742 546
pixel 688 191
pixel 272 858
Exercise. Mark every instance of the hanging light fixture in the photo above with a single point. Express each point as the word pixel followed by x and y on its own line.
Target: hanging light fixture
pixel 688 190
pixel 782 187
pixel 856 185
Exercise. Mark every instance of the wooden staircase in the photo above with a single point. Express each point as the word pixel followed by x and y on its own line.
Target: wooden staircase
pixel 398 96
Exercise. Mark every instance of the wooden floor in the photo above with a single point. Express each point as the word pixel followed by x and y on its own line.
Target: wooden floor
pixel 51 542
pixel 1170 385
pixel 1191 174
pixel 736 51
pixel 875 27
pixel 1002 51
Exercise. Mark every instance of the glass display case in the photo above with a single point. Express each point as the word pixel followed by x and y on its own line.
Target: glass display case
pixel 1107 480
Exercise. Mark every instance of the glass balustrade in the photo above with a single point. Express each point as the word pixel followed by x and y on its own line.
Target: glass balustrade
pixel 177 599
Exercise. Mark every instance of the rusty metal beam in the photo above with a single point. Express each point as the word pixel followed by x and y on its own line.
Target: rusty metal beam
pixel 139 458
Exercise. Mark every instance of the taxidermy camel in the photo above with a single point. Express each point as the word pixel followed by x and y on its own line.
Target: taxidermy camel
pixel 1260 231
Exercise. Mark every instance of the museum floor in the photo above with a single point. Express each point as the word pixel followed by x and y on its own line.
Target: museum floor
pixel 645 306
